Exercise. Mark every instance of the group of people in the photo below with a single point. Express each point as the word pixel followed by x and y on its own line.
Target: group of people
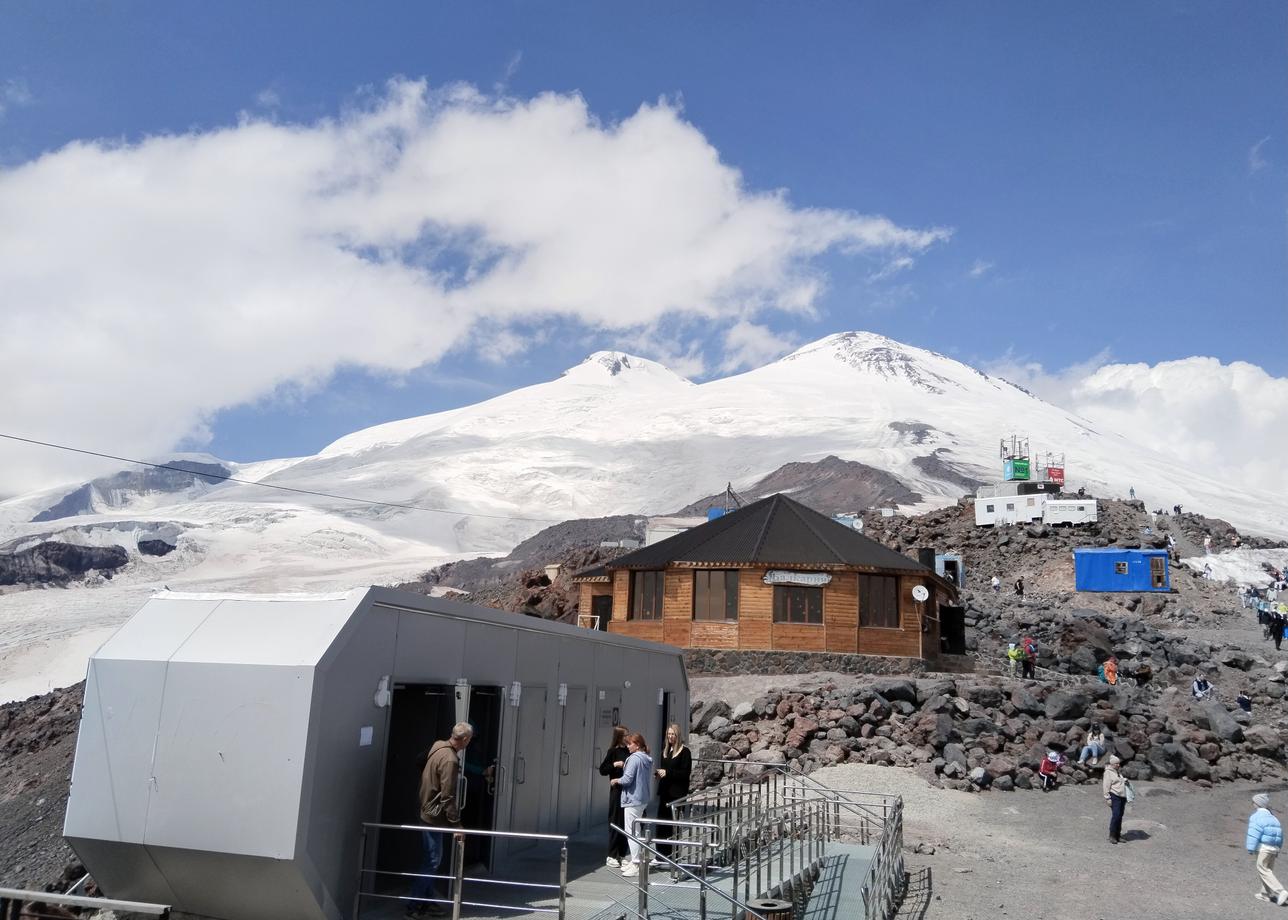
pixel 631 772
pixel 1023 655
pixel 629 768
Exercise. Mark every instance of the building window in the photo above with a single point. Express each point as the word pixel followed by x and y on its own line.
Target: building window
pixel 989 508
pixel 798 604
pixel 1120 568
pixel 1010 506
pixel 646 596
pixel 879 601
pixel 1029 503
pixel 715 594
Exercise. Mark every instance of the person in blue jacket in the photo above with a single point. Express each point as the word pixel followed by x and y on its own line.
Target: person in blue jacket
pixel 1265 837
pixel 637 789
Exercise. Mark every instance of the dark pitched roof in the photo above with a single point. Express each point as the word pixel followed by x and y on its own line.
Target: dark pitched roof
pixel 592 573
pixel 773 531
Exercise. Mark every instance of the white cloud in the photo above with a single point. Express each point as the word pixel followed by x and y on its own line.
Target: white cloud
pixel 980 268
pixel 892 268
pixel 748 345
pixel 13 93
pixel 149 285
pixel 1229 421
pixel 268 99
pixel 1257 162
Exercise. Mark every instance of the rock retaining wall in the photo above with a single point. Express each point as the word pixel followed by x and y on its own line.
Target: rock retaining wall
pixel 726 662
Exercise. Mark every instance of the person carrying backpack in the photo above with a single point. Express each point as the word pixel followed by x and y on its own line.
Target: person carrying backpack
pixel 1030 659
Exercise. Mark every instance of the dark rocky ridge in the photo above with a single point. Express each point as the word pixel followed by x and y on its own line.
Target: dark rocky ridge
pixel 55 563
pixel 108 490
pixel 830 485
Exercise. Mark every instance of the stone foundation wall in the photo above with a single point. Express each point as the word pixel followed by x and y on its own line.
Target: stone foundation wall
pixel 721 663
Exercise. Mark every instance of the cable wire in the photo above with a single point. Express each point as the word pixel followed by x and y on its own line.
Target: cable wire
pixel 268 485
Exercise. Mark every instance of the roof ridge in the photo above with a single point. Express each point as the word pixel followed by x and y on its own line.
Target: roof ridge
pixel 764 528
pixel 804 519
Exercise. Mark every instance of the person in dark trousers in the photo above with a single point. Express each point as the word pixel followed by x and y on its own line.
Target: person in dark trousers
pixel 1028 664
pixel 1244 701
pixel 438 808
pixel 611 766
pixel 1115 789
pixel 1019 587
pixel 1277 631
pixel 675 767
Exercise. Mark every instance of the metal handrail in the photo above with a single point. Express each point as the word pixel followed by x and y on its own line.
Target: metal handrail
pixel 10 895
pixel 705 886
pixel 458 877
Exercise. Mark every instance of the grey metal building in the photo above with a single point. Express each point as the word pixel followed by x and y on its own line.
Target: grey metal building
pixel 230 747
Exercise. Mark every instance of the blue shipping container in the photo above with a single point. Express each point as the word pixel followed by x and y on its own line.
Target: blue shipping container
pixel 1116 569
pixel 713 513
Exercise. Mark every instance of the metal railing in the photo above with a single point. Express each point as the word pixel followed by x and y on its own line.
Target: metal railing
pixel 757 796
pixel 458 878
pixel 12 901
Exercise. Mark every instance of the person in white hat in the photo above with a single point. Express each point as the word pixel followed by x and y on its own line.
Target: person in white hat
pixel 1114 787
pixel 1265 837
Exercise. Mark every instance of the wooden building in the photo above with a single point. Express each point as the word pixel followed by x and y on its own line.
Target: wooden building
pixel 772 575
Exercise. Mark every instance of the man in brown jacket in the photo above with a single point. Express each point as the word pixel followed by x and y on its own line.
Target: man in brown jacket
pixel 438 808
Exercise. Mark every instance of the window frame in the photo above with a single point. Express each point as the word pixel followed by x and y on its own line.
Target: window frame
pixel 730 577
pixel 783 604
pixel 865 589
pixel 638 594
pixel 1120 568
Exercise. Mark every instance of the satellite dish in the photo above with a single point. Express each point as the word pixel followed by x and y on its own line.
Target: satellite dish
pixel 920 594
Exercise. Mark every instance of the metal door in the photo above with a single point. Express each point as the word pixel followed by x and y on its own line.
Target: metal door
pixel 574 757
pixel 608 712
pixel 1157 571
pixel 530 762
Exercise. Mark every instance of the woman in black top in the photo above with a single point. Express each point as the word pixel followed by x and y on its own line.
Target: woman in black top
pixel 674 769
pixel 611 767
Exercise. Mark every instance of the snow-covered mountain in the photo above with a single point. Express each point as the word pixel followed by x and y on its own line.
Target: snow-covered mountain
pixel 615 435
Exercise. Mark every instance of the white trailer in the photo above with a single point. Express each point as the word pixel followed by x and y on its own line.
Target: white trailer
pixel 1008 509
pixel 1069 511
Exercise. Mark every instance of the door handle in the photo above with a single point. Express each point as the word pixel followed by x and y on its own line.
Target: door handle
pixel 521 770
pixel 563 763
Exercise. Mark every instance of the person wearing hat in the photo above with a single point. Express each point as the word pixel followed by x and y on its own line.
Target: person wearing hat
pixel 1114 786
pixel 1265 837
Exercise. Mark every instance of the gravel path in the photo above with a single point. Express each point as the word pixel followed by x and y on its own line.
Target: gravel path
pixel 1046 857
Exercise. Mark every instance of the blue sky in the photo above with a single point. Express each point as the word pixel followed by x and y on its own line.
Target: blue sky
pixel 1112 174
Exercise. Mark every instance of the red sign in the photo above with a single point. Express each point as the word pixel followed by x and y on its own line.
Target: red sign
pixel 1055 474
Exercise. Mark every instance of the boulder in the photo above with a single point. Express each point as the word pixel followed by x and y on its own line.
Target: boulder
pixel 1166 760
pixel 1195 767
pixel 1066 704
pixel 929 688
pixel 1026 702
pixel 955 753
pixel 743 712
pixel 1218 719
pixel 1263 740
pixel 1234 658
pixel 897 688
pixel 708 711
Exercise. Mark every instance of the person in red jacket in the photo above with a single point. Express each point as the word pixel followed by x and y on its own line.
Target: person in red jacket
pixel 1051 764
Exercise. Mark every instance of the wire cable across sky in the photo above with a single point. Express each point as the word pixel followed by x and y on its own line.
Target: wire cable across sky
pixel 405 506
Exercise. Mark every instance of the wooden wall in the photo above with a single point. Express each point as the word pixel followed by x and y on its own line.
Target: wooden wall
pixel 756 629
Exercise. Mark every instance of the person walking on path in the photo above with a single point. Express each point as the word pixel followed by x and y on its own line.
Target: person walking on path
pixel 1019 587
pixel 1265 837
pixel 1132 493
pixel 1014 655
pixel 637 788
pixel 439 807
pixel 1029 662
pixel 611 767
pixel 1114 786
pixel 675 767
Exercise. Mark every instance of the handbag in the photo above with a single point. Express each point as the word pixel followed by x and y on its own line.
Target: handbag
pixel 1130 791
pixel 435 810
